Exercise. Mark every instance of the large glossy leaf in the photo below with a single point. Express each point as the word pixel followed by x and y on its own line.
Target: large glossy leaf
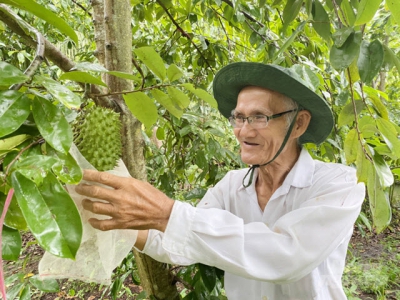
pixel 167 102
pixel 84 77
pixel 14 109
pixel 52 124
pixel 44 14
pixel 202 94
pixel 366 11
pixel 321 22
pixel 152 60
pixel 379 202
pixel 54 223
pixel 11 243
pixel 351 146
pixel 389 134
pixel 370 60
pixel 342 57
pixel 10 75
pixel 208 275
pixel 346 116
pixel 364 165
pixel 59 92
pixel 66 168
pixel 14 218
pixel 142 107
pixel 35 167
pixel 9 144
pixel 347 13
pixel 341 35
pixel 394 8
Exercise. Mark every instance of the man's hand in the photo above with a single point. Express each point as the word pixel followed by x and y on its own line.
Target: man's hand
pixel 131 203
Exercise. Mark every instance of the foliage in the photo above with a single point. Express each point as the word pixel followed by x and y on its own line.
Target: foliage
pixel 345 50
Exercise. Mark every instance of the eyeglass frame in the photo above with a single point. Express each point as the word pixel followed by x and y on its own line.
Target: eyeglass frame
pixel 250 119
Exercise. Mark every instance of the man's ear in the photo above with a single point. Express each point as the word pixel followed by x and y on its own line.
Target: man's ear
pixel 302 122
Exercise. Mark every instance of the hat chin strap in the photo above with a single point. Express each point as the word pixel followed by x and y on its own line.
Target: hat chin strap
pixel 253 167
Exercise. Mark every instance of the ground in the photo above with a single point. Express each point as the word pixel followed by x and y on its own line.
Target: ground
pixel 372 270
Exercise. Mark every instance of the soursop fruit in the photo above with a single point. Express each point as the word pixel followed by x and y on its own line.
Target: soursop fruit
pixel 97 135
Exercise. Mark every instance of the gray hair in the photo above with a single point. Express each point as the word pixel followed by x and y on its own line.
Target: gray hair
pixel 289 104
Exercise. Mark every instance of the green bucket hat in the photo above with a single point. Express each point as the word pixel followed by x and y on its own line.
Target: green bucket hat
pixel 231 79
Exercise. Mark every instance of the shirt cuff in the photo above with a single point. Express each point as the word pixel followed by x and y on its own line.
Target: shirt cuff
pixel 179 227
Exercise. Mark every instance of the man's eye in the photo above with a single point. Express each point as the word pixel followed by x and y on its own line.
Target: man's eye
pixel 259 118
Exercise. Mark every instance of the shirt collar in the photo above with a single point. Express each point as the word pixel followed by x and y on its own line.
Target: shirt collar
pixel 300 176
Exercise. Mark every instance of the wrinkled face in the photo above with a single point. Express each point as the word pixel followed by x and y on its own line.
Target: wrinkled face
pixel 259 146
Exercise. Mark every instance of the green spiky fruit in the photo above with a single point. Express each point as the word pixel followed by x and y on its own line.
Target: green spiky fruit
pixel 97 135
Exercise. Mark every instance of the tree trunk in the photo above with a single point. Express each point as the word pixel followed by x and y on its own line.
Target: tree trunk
pixel 155 276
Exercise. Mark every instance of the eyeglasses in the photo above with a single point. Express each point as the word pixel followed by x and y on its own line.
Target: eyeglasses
pixel 257 121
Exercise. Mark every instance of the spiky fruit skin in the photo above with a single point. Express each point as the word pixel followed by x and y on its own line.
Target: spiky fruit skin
pixel 97 135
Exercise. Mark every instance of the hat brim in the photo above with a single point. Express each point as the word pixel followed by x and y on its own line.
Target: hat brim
pixel 231 79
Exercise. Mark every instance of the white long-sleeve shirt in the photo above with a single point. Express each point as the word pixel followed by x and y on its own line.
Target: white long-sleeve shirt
pixel 293 250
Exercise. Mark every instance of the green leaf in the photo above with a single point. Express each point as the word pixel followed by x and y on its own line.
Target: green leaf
pixel 340 36
pixel 364 166
pixel 11 143
pixel 10 75
pixel 44 14
pixel 386 178
pixel 342 57
pixel 35 167
pixel 379 203
pixel 370 60
pixel 11 243
pixel 66 168
pixel 152 60
pixel 375 96
pixel 45 285
pixel 25 293
pixel 202 94
pixel 346 116
pixel 84 77
pixel 289 41
pixel 52 124
pixel 394 8
pixel 124 75
pixel 390 136
pixel 348 12
pixel 56 223
pixel 14 218
pixel 142 107
pixel 366 11
pixel 391 57
pixel 321 22
pixel 174 73
pixel 14 109
pixel 167 102
pixel 351 146
pixel 60 92
pixel 196 193
pixel 291 10
pixel 178 97
pixel 208 275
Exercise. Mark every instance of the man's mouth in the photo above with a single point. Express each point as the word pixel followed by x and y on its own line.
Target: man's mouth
pixel 250 144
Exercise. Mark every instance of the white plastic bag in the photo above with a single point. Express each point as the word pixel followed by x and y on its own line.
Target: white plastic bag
pixel 100 252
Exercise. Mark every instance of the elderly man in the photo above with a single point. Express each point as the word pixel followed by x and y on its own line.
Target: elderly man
pixel 279 229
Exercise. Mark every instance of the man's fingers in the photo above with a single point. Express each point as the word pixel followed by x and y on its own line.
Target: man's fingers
pixel 102 225
pixel 95 191
pixel 103 178
pixel 99 208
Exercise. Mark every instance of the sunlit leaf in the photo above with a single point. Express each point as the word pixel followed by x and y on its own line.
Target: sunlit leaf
pixel 348 13
pixel 375 96
pixel 14 218
pixel 351 146
pixel 167 102
pixel 291 10
pixel 391 57
pixel 152 60
pixel 52 124
pixel 178 97
pixel 142 107
pixel 14 109
pixel 394 8
pixel 289 41
pixel 174 73
pixel 383 171
pixel 202 94
pixel 389 134
pixel 12 142
pixel 346 116
pixel 366 11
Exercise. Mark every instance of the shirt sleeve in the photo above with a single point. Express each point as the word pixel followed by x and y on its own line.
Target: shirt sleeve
pixel 295 245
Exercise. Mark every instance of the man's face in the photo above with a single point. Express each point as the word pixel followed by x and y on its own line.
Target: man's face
pixel 259 146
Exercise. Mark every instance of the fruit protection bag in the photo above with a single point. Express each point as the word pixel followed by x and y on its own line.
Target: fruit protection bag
pixel 100 252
